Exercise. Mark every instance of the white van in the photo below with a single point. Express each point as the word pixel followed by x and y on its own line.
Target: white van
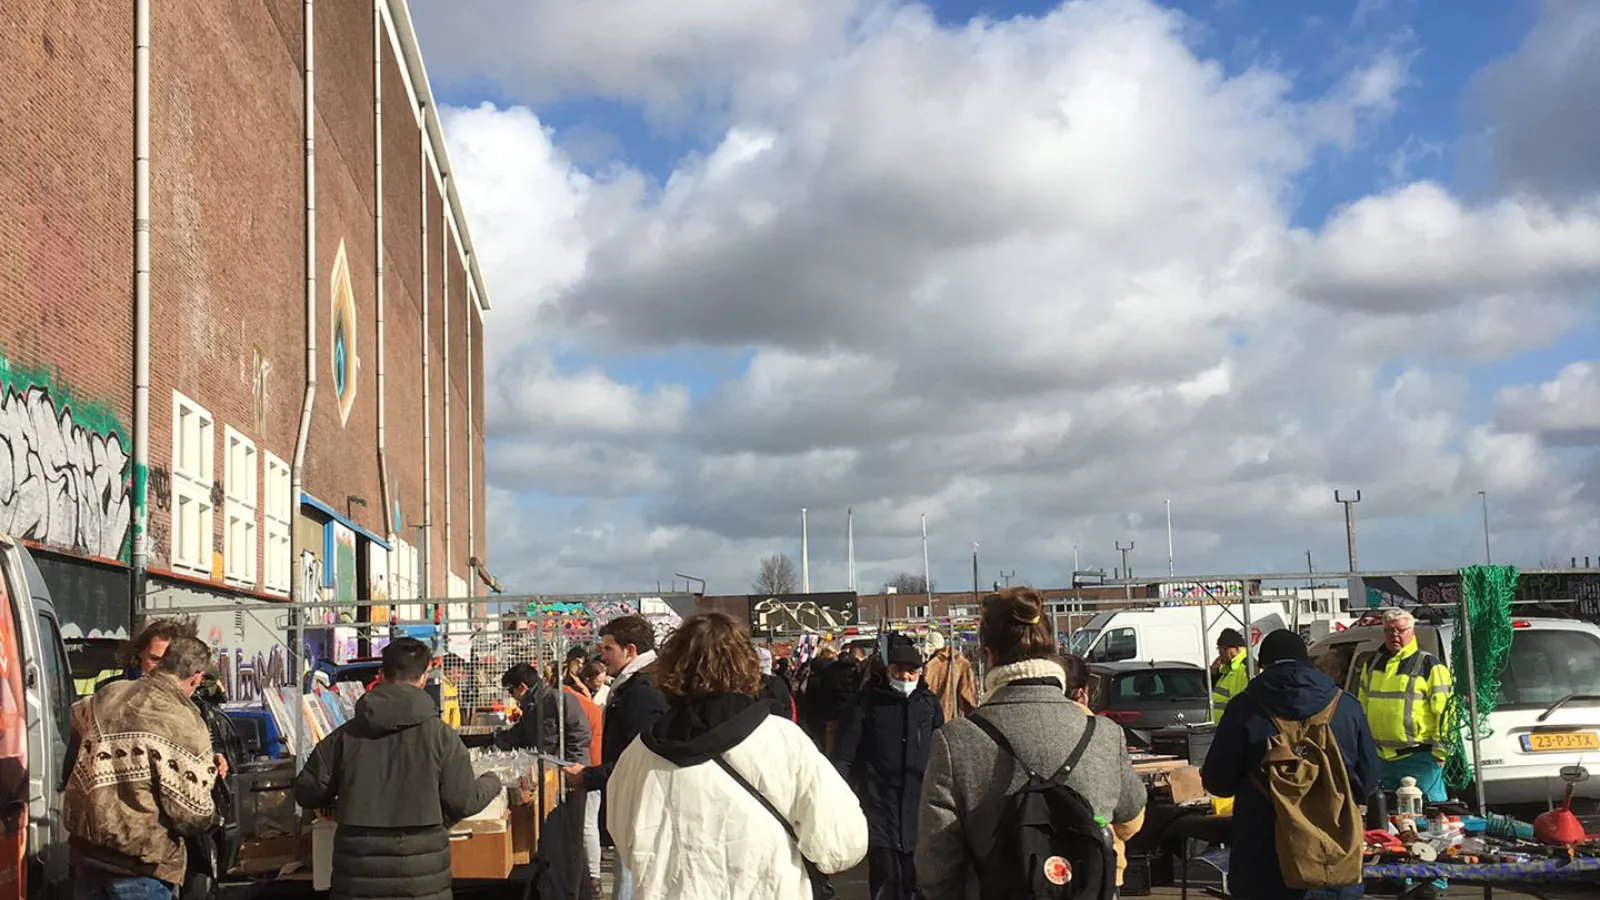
pixel 1548 714
pixel 36 696
pixel 1169 633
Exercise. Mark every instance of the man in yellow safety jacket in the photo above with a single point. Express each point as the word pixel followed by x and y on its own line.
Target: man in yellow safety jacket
pixel 1230 674
pixel 1404 690
pixel 1230 671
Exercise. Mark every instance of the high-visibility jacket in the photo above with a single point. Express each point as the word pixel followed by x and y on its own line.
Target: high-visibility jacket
pixel 1405 694
pixel 1230 682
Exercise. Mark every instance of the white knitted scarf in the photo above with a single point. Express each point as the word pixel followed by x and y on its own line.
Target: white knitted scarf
pixel 1000 676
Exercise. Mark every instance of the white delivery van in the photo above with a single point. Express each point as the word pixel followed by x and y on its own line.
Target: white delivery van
pixel 36 696
pixel 1169 633
pixel 1548 711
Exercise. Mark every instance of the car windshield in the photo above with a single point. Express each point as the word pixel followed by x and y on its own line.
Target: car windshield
pixel 1546 665
pixel 1159 686
pixel 1081 641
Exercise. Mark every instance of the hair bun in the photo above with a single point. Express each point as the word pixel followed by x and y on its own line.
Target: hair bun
pixel 1025 613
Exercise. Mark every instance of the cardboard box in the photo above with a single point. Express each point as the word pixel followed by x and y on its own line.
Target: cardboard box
pixel 524 834
pixel 1185 784
pixel 481 854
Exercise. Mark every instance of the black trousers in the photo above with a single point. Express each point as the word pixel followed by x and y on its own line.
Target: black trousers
pixel 892 875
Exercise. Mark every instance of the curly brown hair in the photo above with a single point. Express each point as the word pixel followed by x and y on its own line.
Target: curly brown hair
pixel 709 653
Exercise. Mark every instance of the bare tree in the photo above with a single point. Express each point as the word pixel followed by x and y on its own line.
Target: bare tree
pixel 777 576
pixel 907 583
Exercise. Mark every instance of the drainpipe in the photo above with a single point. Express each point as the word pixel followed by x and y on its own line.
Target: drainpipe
pixel 444 255
pixel 297 473
pixel 377 255
pixel 140 551
pixel 472 448
pixel 426 588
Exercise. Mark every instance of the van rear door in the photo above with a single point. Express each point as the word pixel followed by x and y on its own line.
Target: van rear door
pixel 14 782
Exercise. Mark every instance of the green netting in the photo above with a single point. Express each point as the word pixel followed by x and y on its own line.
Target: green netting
pixel 1486 592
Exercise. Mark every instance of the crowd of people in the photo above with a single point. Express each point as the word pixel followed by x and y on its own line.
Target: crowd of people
pixel 717 773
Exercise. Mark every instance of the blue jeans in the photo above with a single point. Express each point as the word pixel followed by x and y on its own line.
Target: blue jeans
pixel 121 889
pixel 622 880
pixel 1430 778
pixel 1421 766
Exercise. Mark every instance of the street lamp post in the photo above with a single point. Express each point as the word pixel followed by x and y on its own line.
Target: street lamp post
pixel 1488 560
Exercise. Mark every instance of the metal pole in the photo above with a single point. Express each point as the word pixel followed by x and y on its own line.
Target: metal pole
pixel 1127 574
pixel 1472 710
pixel 1487 559
pixel 805 555
pixel 1205 649
pixel 1171 570
pixel 1249 634
pixel 974 572
pixel 1349 525
pixel 927 578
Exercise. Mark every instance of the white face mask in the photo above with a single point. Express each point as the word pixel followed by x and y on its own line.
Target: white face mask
pixel 904 687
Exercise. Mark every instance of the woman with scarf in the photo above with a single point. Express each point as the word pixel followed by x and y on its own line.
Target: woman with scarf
pixel 720 798
pixel 969 777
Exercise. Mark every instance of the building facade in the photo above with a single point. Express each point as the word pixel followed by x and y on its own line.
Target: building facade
pixel 277 251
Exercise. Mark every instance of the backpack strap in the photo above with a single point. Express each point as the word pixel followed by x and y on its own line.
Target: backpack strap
pixel 782 819
pixel 994 733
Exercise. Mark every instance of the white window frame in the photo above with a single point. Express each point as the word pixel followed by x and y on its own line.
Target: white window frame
pixel 917 612
pixel 278 519
pixel 241 487
pixel 194 453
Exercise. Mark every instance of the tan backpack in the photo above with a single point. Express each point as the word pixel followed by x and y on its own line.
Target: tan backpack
pixel 1318 831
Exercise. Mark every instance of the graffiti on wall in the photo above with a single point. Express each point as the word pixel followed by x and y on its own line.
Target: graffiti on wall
pixel 64 472
pixel 345 363
pixel 802 613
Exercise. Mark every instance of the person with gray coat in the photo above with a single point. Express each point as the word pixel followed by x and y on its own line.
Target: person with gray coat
pixel 969 777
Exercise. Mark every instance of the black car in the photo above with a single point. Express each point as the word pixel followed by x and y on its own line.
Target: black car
pixel 1145 697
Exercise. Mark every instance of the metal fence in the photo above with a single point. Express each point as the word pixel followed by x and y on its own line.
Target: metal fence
pixel 475 639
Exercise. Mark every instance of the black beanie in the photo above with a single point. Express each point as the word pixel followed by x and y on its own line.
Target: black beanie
pixel 1230 637
pixel 1283 646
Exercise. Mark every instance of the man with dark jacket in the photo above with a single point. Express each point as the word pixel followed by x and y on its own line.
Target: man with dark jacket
pixel 774 690
pixel 833 686
pixel 551 721
pixel 397 777
pixel 1289 687
pixel 628 650
pixel 885 736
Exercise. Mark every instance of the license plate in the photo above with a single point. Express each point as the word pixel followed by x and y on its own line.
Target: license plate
pixel 1557 741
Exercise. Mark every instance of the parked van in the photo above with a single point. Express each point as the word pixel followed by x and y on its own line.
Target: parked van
pixel 1548 711
pixel 1169 633
pixel 36 696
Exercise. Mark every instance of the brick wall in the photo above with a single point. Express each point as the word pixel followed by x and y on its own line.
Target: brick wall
pixel 66 260
pixel 228 255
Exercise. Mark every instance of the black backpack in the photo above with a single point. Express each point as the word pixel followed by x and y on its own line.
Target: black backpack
pixel 1049 844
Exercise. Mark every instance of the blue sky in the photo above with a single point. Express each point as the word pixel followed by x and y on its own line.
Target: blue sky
pixel 612 151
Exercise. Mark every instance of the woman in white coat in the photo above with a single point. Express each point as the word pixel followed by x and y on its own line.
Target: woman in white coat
pixel 675 806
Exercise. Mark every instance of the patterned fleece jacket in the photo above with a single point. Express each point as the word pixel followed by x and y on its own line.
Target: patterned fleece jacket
pixel 140 781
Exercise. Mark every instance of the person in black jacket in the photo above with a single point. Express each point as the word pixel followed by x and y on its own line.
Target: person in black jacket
pixel 541 726
pixel 885 736
pixel 1290 687
pixel 628 650
pixel 397 777
pixel 774 690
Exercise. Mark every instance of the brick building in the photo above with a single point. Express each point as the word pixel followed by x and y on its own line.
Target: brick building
pixel 228 310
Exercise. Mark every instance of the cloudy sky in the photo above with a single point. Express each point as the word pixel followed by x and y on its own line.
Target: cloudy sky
pixel 1031 269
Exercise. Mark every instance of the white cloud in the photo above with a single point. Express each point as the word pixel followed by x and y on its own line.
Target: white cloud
pixel 1418 248
pixel 1564 410
pixel 1031 277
